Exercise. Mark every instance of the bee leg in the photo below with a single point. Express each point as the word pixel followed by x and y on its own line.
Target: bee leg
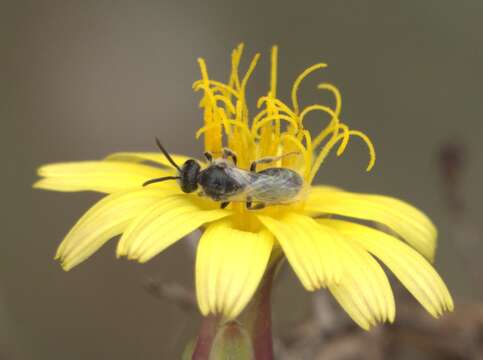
pixel 228 153
pixel 270 159
pixel 208 156
pixel 257 206
pixel 224 204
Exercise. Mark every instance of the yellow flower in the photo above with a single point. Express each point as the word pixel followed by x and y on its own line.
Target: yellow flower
pixel 337 252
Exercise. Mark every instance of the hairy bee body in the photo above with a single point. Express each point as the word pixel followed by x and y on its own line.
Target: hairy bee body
pixel 224 182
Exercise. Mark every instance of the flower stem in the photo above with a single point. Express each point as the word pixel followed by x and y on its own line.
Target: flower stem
pixel 205 338
pixel 259 316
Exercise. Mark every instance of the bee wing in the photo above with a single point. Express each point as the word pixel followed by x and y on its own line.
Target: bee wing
pixel 278 186
pixel 271 186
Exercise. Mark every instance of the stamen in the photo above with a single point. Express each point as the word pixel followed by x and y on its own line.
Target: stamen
pixel 250 70
pixel 322 155
pixel 370 146
pixel 299 79
pixel 228 104
pixel 235 123
pixel 334 121
pixel 280 104
pixel 297 143
pixel 334 140
pixel 345 139
pixel 338 98
pixel 269 119
pixel 273 71
pixel 264 113
pixel 308 146
pixel 214 86
pixel 235 62
pixel 332 128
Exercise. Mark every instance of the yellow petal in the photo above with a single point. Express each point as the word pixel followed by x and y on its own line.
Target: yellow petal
pixel 309 247
pixel 155 157
pixel 106 219
pixel 102 176
pixel 364 291
pixel 414 272
pixel 229 266
pixel 410 223
pixel 163 223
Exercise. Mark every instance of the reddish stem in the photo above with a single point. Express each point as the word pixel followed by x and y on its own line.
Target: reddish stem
pixel 206 335
pixel 260 318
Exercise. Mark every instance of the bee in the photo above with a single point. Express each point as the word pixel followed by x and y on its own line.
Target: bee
pixel 224 182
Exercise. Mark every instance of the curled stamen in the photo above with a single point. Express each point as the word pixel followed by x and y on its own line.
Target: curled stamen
pixel 332 128
pixel 336 93
pixel 280 104
pixel 334 118
pixel 299 79
pixel 322 155
pixel 228 104
pixel 271 118
pixel 263 113
pixel 370 146
pixel 298 144
pixel 345 137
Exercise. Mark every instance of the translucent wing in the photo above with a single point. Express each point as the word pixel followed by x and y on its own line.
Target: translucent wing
pixel 270 186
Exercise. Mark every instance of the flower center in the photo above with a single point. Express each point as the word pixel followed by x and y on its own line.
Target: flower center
pixel 277 128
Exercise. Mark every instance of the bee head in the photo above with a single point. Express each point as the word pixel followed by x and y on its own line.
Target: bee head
pixel 189 176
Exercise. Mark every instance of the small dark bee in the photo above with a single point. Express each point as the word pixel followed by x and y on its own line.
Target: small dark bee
pixel 223 181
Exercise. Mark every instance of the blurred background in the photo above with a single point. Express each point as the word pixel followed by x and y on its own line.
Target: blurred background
pixel 82 79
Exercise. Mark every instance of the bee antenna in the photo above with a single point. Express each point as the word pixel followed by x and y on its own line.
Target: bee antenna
pixel 166 154
pixel 156 180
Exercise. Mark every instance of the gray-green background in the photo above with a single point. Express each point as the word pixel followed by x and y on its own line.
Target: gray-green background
pixel 81 79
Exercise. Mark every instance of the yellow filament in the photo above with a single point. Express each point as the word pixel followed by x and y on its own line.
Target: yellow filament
pixel 321 157
pixel 345 139
pixel 263 113
pixel 332 142
pixel 280 104
pixel 235 62
pixel 299 79
pixel 332 128
pixel 214 85
pixel 271 118
pixel 309 152
pixel 213 139
pixel 273 71
pixel 204 71
pixel 235 123
pixel 250 70
pixel 336 93
pixel 303 151
pixel 226 101
pixel 370 146
pixel 316 107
